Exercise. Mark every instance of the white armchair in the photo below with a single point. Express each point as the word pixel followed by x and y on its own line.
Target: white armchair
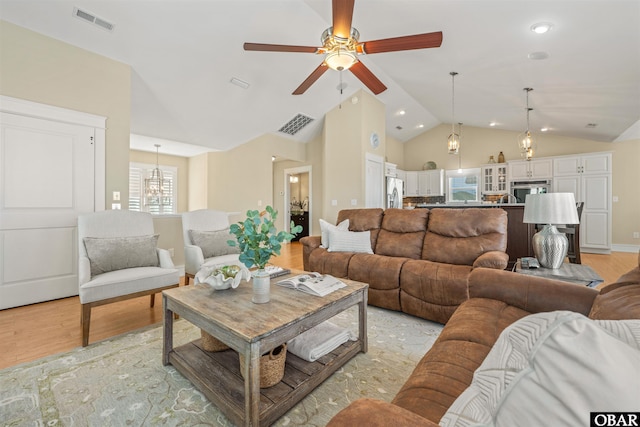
pixel 119 260
pixel 212 226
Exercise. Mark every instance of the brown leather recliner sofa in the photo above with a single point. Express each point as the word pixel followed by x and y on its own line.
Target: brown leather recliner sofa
pixel 421 258
pixel 497 300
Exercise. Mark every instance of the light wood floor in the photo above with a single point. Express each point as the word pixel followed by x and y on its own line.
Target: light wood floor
pixel 34 331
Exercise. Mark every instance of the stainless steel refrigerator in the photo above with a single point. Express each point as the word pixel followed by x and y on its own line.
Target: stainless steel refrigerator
pixel 394 192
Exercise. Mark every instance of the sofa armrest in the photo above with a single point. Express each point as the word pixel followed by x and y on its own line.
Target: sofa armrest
pixel 84 270
pixel 530 293
pixel 309 244
pixel 193 259
pixel 376 413
pixel 165 258
pixel 492 259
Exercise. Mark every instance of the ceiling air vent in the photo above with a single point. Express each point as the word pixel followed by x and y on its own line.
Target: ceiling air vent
pixel 90 17
pixel 296 124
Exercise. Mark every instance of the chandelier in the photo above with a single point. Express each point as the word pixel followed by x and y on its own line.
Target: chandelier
pixel 154 186
pixel 525 139
pixel 453 142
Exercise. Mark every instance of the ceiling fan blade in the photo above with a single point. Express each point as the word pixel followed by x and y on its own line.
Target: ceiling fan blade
pixel 416 41
pixel 263 47
pixel 368 78
pixel 342 17
pixel 315 75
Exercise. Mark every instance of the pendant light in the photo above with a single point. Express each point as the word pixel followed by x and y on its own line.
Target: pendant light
pixel 154 186
pixel 459 153
pixel 453 142
pixel 525 139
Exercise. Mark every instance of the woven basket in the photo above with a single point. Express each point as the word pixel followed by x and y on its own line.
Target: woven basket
pixel 210 343
pixel 271 366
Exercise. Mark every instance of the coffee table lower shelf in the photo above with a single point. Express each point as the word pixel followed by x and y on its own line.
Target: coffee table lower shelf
pixel 217 376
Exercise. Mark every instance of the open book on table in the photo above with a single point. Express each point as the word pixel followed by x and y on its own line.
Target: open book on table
pixel 313 283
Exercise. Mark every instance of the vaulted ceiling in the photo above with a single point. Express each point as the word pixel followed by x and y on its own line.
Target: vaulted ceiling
pixel 184 53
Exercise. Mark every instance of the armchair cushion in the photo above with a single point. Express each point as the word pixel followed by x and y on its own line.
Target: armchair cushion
pixel 126 282
pixel 116 253
pixel 214 243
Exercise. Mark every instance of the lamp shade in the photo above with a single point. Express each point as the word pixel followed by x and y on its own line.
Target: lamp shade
pixel 550 208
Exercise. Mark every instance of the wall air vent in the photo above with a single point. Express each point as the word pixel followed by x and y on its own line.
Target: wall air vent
pixel 296 124
pixel 90 17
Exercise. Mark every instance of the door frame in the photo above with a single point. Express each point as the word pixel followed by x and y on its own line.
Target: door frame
pixel 287 195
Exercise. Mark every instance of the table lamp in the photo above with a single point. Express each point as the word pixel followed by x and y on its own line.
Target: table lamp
pixel 551 209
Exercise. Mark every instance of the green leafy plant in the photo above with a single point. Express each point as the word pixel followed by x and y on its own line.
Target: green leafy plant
pixel 258 238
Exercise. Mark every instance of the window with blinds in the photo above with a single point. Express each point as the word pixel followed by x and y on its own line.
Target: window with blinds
pixel 138 172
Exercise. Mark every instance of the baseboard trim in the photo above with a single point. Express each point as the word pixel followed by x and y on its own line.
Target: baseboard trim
pixel 625 248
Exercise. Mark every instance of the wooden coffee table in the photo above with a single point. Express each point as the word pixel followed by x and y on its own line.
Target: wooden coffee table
pixel 254 329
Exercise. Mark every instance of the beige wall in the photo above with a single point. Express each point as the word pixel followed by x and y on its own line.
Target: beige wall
pixel 477 144
pixel 394 152
pixel 45 70
pixel 242 178
pixel 346 133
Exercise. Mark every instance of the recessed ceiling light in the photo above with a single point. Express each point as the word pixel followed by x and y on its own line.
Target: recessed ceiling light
pixel 538 55
pixel 541 27
pixel 401 112
pixel 492 124
pixel 544 129
pixel 420 126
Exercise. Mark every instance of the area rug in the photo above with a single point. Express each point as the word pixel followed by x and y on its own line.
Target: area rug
pixel 122 382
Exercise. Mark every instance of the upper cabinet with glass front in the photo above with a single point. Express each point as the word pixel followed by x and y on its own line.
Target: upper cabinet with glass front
pixel 494 179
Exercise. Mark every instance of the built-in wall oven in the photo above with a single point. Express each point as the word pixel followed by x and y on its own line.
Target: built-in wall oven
pixel 520 189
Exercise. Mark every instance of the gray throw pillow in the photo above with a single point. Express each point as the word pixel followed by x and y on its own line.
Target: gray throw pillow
pixel 214 243
pixel 117 253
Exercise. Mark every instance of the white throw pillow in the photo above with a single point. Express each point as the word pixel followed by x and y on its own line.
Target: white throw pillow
pixel 553 369
pixel 326 226
pixel 350 241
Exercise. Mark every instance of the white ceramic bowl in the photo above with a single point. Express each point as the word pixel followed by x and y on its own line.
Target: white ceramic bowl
pixel 218 281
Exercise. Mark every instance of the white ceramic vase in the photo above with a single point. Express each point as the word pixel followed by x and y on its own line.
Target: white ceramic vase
pixel 261 287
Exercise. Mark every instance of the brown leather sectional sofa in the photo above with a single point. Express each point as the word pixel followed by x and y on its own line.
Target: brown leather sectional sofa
pixel 497 299
pixel 422 258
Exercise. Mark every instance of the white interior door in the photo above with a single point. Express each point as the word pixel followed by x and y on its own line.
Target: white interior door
pixel 374 171
pixel 47 172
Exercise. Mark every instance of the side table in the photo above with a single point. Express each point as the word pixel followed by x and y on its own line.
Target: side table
pixel 573 273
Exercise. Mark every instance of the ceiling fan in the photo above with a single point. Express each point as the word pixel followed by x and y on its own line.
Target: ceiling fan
pixel 341 48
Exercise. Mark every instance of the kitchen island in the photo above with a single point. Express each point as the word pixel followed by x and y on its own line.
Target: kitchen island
pixel 519 234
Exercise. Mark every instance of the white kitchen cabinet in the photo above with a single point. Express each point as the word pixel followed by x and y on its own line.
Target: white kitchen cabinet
pixel 400 174
pixel 431 182
pixel 530 169
pixel 424 183
pixel 411 184
pixel 390 169
pixel 588 177
pixel 494 179
pixel 588 163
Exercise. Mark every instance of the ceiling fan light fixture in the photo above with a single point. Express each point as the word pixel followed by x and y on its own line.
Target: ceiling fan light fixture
pixel 340 59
